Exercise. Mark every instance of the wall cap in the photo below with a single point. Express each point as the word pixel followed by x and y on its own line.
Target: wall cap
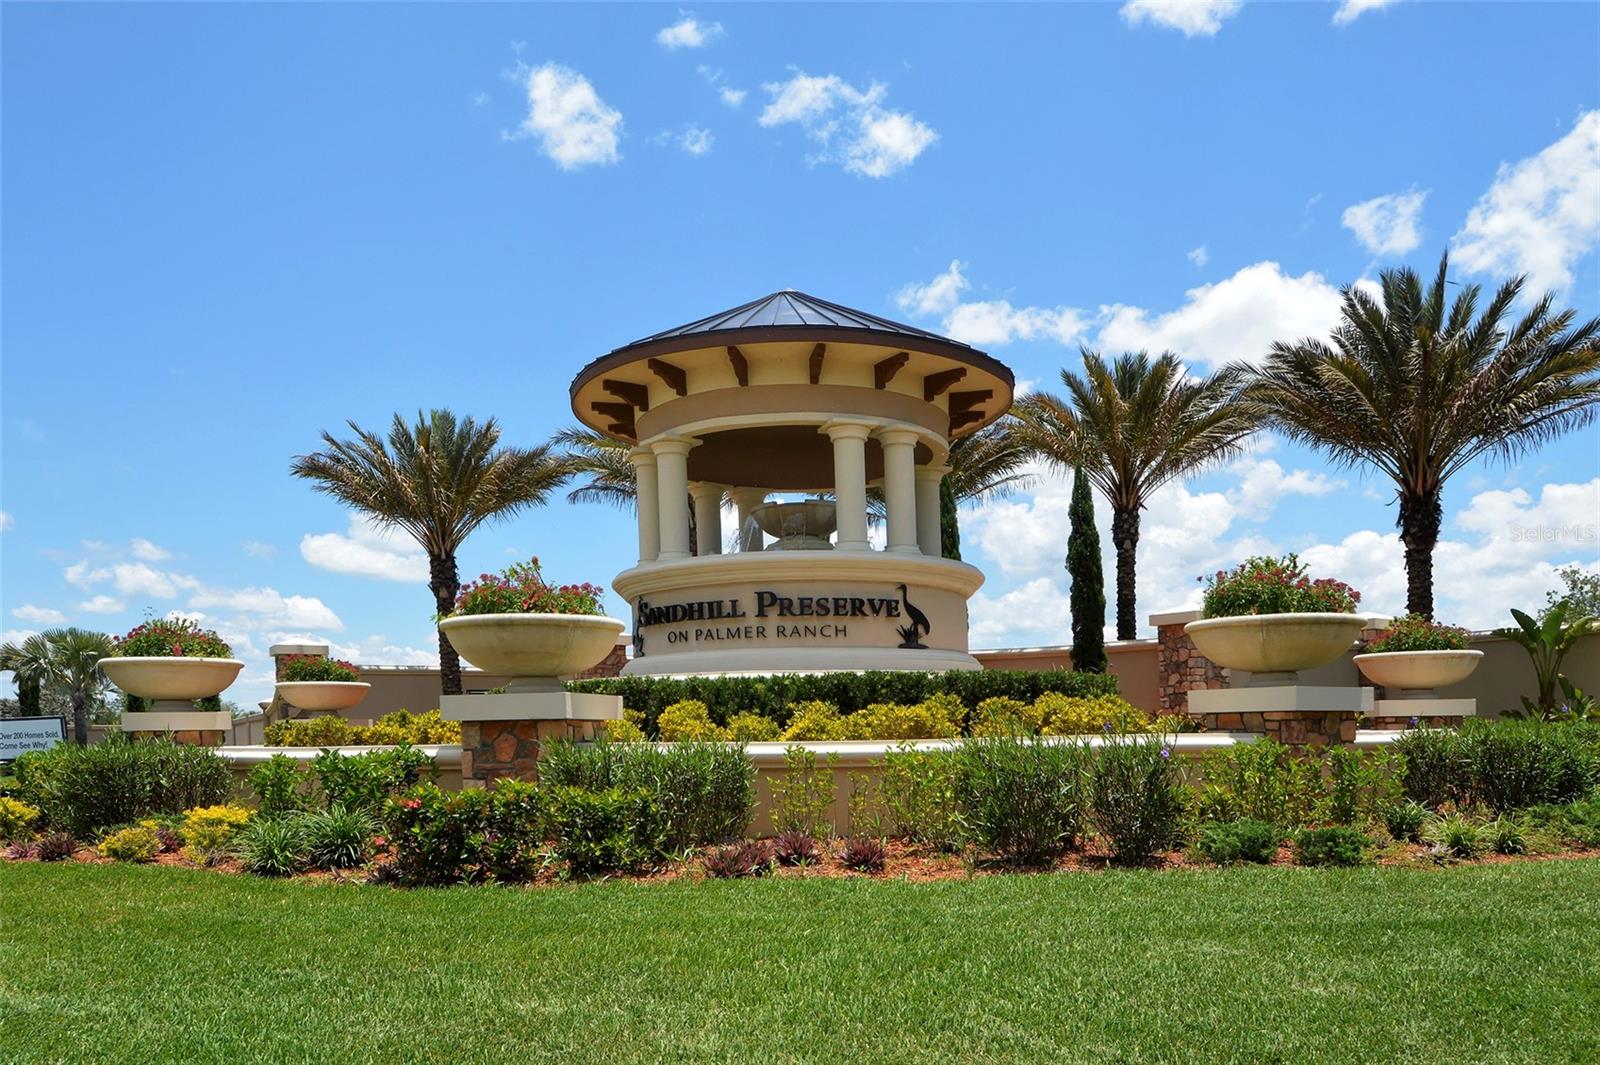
pixel 278 649
pixel 1175 617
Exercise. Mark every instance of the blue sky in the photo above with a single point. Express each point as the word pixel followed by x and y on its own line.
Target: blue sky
pixel 228 227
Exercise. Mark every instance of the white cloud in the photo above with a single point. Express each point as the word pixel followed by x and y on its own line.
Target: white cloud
pixel 1236 318
pixel 102 604
pixel 1350 10
pixel 1195 18
pixel 1541 214
pixel 1387 225
pixel 573 125
pixel 688 32
pixel 258 549
pixel 266 606
pixel 1262 482
pixel 851 126
pixel 1037 613
pixel 146 551
pixel 1200 256
pixel 997 322
pixel 692 140
pixel 726 93
pixel 937 296
pixel 131 579
pixel 368 551
pixel 38 615
pixel 6 521
pixel 731 97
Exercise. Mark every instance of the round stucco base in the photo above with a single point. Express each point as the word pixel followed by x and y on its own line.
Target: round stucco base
pixel 797 660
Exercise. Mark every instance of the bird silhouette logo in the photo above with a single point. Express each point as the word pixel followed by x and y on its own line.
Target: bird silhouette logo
pixel 911 635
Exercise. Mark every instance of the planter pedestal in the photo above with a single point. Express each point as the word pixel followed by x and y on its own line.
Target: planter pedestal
pixel 1412 711
pixel 200 728
pixel 1303 715
pixel 501 735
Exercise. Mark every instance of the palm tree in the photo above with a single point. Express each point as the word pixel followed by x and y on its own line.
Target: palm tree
pixel 68 659
pixel 1419 389
pixel 983 465
pixel 1133 425
pixel 438 480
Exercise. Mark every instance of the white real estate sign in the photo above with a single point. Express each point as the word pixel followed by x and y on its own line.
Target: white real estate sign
pixel 19 735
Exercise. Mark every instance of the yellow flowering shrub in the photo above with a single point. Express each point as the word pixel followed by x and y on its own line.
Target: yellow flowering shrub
pixel 627 729
pixel 752 728
pixel 207 830
pixel 1005 716
pixel 16 818
pixel 813 720
pixel 1066 715
pixel 402 726
pixel 136 844
pixel 688 721
pixel 933 719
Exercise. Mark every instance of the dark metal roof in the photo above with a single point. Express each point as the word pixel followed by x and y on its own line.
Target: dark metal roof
pixel 791 308
pixel 788 316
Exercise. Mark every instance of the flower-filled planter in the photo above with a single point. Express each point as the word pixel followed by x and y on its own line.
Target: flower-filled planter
pixel 171 663
pixel 516 624
pixel 1269 618
pixel 321 685
pixel 1414 656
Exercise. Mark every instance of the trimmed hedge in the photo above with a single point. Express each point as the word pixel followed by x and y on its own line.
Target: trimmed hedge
pixel 770 696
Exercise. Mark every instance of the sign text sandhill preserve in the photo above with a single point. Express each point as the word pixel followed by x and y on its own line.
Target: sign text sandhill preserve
pixel 751 620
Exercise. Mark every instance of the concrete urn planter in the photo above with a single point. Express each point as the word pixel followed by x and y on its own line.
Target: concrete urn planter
pixel 1274 647
pixel 535 649
pixel 1417 673
pixel 176 680
pixel 323 696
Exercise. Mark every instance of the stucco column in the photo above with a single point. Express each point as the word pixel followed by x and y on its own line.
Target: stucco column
pixel 747 500
pixel 850 482
pixel 647 502
pixel 672 485
pixel 707 517
pixel 900 488
pixel 929 539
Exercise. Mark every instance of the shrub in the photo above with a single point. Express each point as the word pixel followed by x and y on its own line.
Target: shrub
pixel 170 838
pixel 1436 770
pixel 323 669
pixel 1005 716
pixel 1262 585
pixel 921 795
pixel 606 831
pixel 751 728
pixel 1066 715
pixel 1331 845
pixel 208 830
pixel 87 789
pixel 802 798
pixel 278 784
pixel 813 720
pixel 473 835
pixel 366 781
pixel 1260 781
pixel 1024 797
pixel 738 860
pixel 1404 819
pixel 771 695
pixel 940 715
pixel 862 854
pixel 171 638
pixel 55 846
pixel 1359 785
pixel 20 852
pixel 1505 836
pixel 1576 823
pixel 16 818
pixel 1456 836
pixel 327 730
pixel 1239 841
pixel 521 589
pixel 625 730
pixel 134 844
pixel 1137 798
pixel 1505 765
pixel 338 838
pixel 1417 633
pixel 795 848
pixel 272 847
pixel 402 727
pixel 686 722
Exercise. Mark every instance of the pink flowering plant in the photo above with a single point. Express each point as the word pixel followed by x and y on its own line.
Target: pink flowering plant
pixel 522 589
pixel 171 638
pixel 1416 633
pixel 1263 585
pixel 320 669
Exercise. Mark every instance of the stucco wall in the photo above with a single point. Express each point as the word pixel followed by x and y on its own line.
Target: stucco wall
pixel 1135 664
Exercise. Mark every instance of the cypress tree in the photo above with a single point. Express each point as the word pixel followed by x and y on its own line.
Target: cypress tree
pixel 1088 590
pixel 949 529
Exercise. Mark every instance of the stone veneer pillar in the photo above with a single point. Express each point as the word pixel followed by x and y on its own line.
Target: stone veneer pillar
pixel 1182 667
pixel 503 735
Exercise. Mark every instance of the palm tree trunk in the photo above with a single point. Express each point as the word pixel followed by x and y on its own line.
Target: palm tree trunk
pixel 80 719
pixel 1420 517
pixel 1125 537
pixel 445 583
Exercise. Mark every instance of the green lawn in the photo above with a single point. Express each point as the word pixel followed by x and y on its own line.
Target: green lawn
pixel 1485 963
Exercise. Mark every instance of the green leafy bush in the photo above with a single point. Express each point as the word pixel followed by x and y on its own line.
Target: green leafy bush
pixel 134 844
pixel 87 789
pixel 366 781
pixel 1437 770
pixel 1417 633
pixel 272 846
pixel 1504 765
pixel 770 696
pixel 1455 836
pixel 1262 585
pixel 802 798
pixel 1571 823
pixel 279 786
pixel 1261 781
pixel 469 836
pixel 921 793
pixel 320 669
pixel 1358 785
pixel 1505 836
pixel 597 832
pixel 337 838
pixel 1137 797
pixel 1404 819
pixel 16 818
pixel 1239 841
pixel 1024 798
pixel 1330 845
pixel 171 638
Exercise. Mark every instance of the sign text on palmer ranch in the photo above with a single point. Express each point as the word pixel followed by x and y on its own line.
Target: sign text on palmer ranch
pixel 769 615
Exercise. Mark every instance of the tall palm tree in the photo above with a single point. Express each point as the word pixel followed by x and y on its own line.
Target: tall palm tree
pixel 983 465
pixel 437 479
pixel 1419 386
pixel 1134 424
pixel 67 659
